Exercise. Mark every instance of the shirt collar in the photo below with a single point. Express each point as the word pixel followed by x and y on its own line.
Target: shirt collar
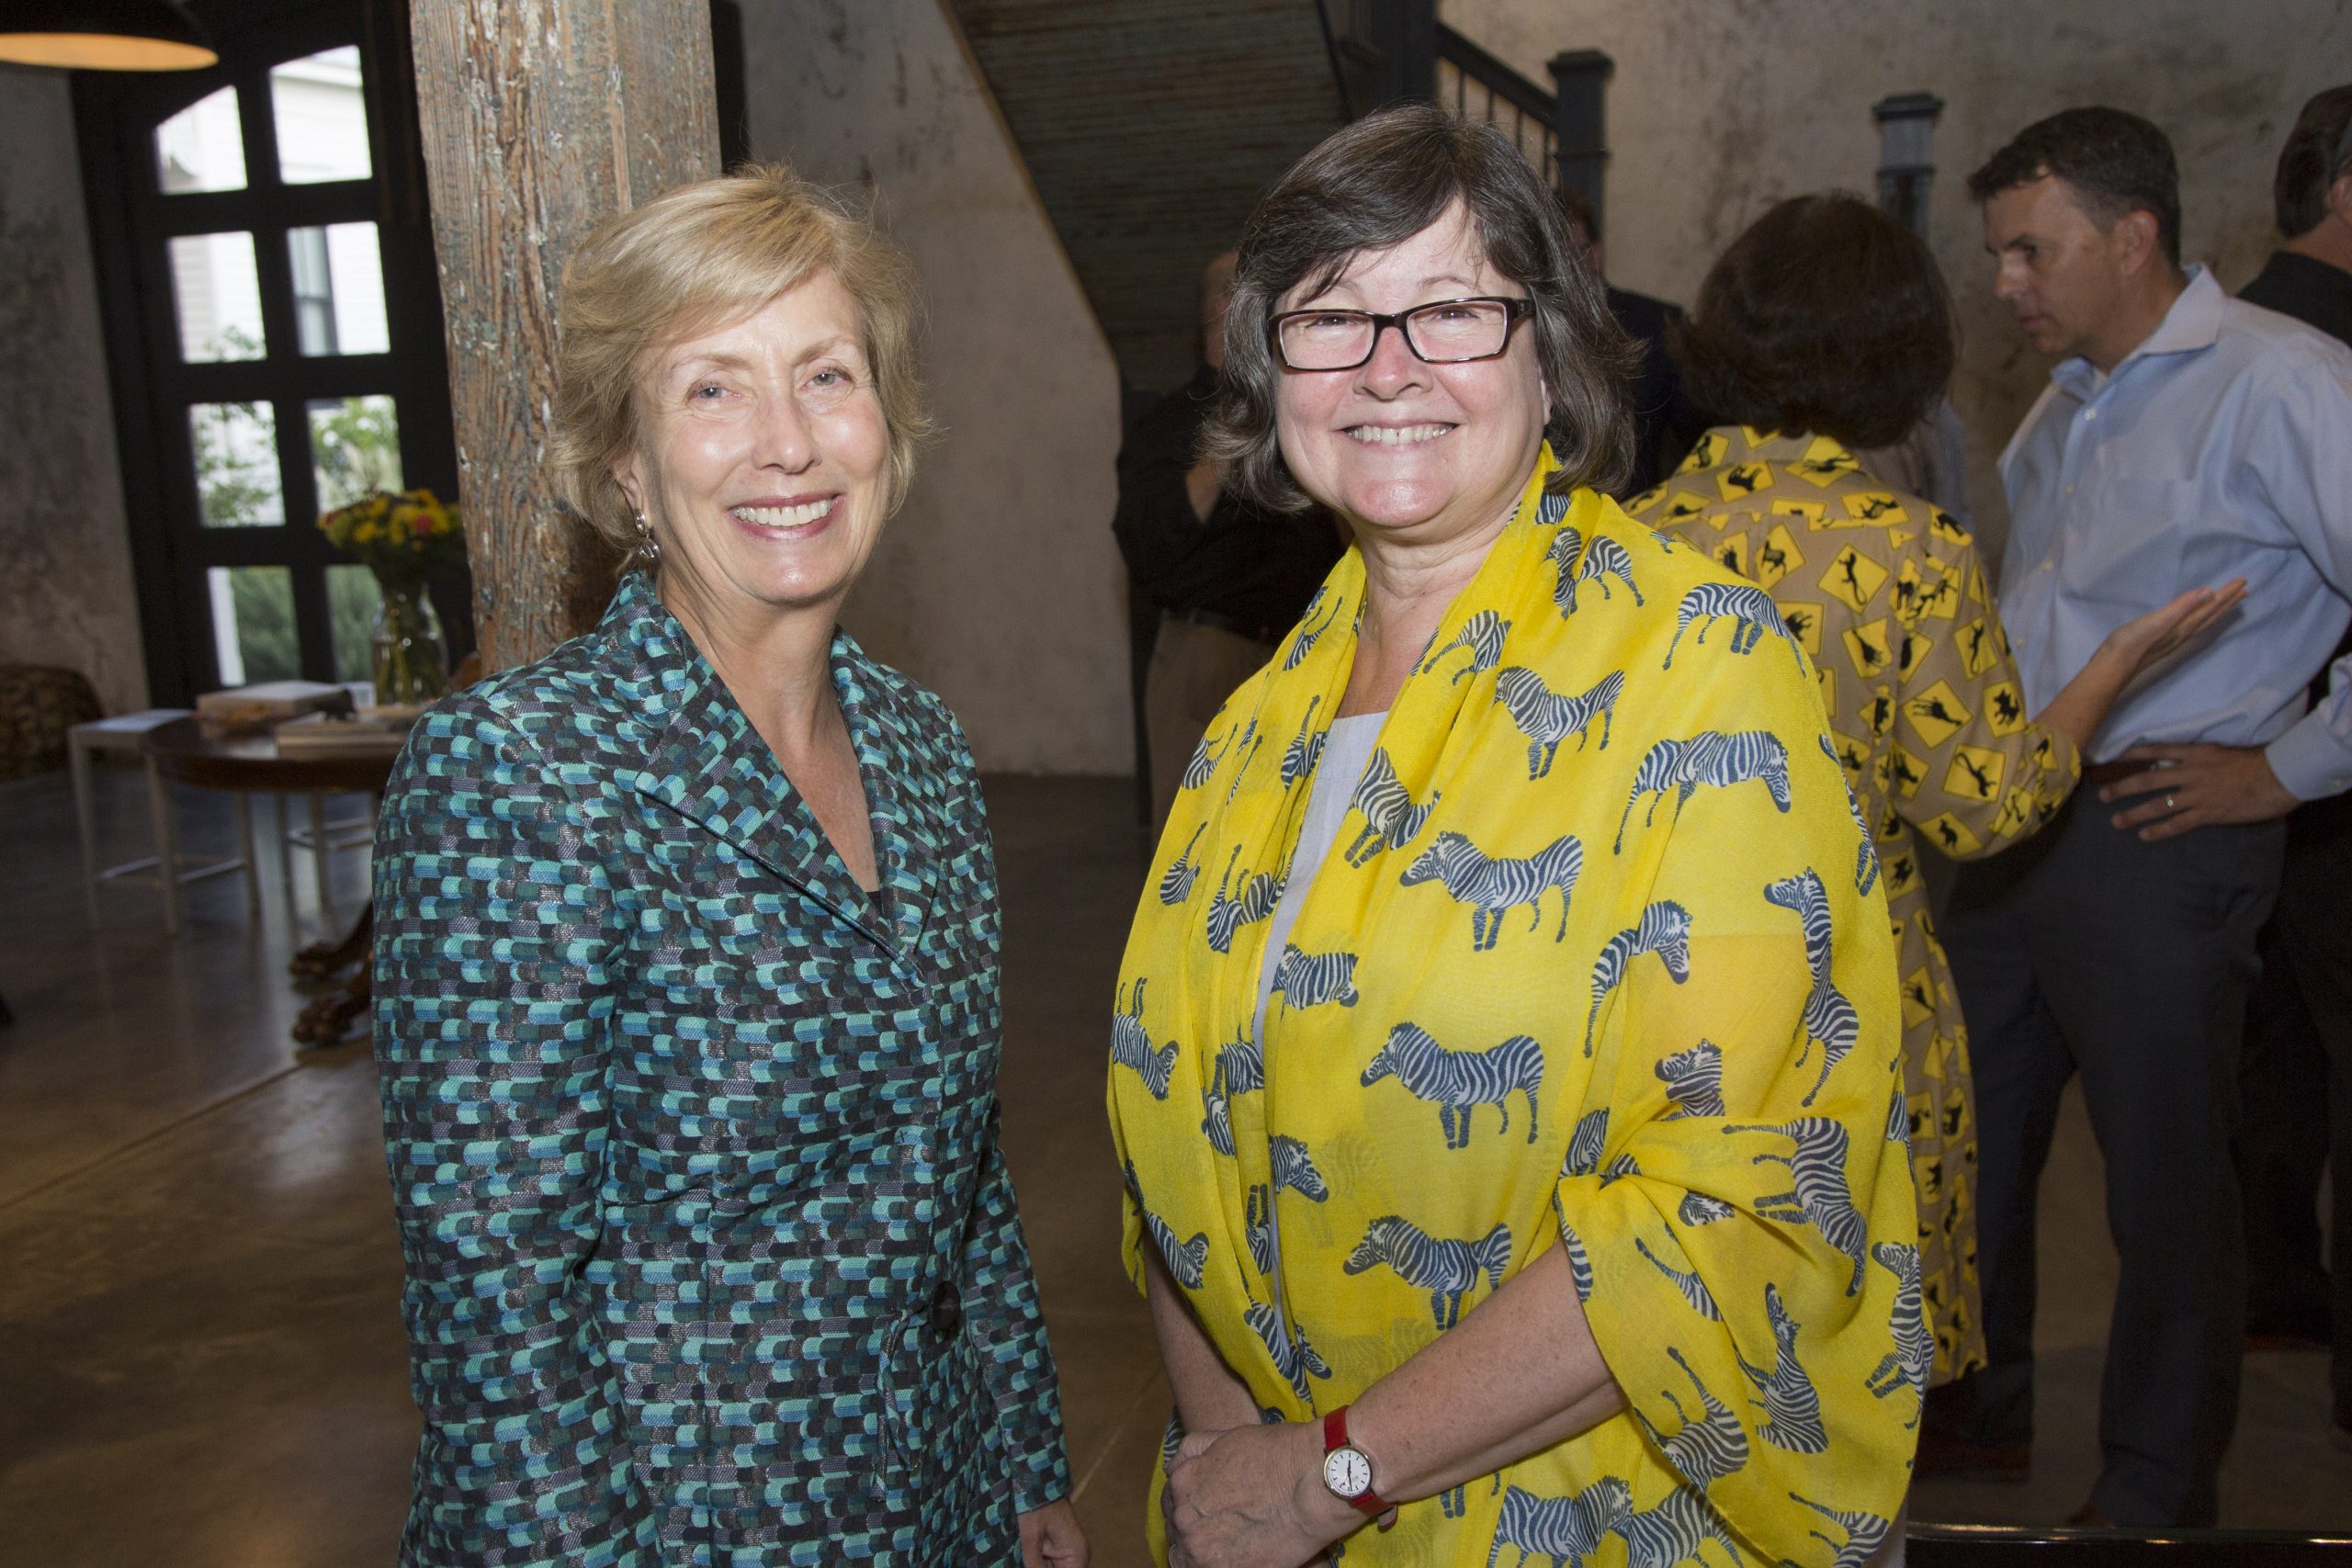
pixel 2194 322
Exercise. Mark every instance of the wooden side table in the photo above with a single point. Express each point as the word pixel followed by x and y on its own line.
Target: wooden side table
pixel 252 764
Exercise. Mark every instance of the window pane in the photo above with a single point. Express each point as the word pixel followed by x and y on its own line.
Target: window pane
pixel 216 295
pixel 354 448
pixel 321 121
pixel 352 598
pixel 236 465
pixel 338 290
pixel 202 147
pixel 252 624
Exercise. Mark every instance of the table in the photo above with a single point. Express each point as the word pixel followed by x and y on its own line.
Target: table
pixel 252 764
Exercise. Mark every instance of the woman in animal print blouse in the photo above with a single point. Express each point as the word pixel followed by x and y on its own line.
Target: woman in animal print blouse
pixel 1504 1053
pixel 1822 331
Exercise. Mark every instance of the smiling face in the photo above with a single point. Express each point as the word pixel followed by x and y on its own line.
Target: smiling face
pixel 2063 276
pixel 762 457
pixel 1406 451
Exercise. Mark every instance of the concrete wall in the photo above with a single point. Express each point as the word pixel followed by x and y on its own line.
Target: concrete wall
pixel 998 584
pixel 65 587
pixel 1720 107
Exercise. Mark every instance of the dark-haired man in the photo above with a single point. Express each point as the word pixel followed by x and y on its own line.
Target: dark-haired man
pixel 2185 438
pixel 1666 422
pixel 1228 580
pixel 2298 1077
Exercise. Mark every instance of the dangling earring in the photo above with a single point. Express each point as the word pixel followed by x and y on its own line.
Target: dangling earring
pixel 649 550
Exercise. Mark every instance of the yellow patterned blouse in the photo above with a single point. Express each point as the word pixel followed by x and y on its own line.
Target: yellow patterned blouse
pixel 1597 961
pixel 1888 596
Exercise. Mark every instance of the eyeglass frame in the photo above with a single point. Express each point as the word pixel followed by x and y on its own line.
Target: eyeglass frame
pixel 1516 308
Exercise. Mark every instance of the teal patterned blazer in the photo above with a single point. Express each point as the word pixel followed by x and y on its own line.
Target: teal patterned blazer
pixel 711 1255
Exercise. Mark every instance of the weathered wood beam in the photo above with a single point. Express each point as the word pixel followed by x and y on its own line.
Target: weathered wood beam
pixel 541 120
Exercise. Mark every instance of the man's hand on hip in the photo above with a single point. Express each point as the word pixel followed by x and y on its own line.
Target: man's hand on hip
pixel 2197 786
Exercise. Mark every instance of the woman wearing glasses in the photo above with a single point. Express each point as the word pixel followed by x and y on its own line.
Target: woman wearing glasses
pixel 1506 1043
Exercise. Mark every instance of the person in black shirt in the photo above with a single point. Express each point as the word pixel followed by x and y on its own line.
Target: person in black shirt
pixel 2299 1025
pixel 1666 422
pixel 1227 579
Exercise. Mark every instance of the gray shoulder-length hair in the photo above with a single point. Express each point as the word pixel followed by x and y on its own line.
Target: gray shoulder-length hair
pixel 1377 183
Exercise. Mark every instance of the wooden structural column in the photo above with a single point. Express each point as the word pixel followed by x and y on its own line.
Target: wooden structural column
pixel 541 120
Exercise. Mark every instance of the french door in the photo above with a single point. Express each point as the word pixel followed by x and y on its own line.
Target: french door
pixel 273 330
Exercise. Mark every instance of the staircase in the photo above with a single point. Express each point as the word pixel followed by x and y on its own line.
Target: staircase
pixel 1150 128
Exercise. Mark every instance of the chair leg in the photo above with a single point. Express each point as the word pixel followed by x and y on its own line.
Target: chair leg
pixel 245 851
pixel 319 852
pixel 167 845
pixel 86 819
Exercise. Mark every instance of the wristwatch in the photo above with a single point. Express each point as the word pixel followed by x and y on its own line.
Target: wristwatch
pixel 1347 1471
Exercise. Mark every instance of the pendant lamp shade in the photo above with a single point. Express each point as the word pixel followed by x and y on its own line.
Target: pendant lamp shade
pixel 105 35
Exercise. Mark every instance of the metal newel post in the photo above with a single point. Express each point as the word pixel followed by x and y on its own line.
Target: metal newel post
pixel 1580 77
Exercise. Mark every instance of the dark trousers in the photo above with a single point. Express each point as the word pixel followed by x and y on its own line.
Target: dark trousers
pixel 2297 1096
pixel 2087 951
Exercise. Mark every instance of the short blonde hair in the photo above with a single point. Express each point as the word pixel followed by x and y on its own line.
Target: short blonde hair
pixel 689 259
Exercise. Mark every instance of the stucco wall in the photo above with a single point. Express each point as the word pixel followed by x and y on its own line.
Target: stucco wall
pixel 65 587
pixel 1720 107
pixel 998 584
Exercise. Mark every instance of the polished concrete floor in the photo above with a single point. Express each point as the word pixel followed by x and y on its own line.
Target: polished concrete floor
pixel 200 1357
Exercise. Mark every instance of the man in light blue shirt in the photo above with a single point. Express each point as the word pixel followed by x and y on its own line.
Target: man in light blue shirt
pixel 2185 439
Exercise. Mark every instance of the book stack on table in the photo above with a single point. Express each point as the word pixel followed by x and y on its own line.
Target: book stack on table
pixel 252 710
pixel 357 729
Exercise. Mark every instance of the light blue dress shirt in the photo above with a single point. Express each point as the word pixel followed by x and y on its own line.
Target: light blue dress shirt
pixel 2220 447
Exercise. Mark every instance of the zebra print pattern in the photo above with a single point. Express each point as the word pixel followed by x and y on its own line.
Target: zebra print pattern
pixel 1294 1168
pixel 1818 1195
pixel 1673 1532
pixel 1699 1209
pixel 1306 747
pixel 1865 1533
pixel 1205 759
pixel 1217 1122
pixel 1710 758
pixel 1567 545
pixel 1186 1261
pixel 1294 1358
pixel 1390 817
pixel 1459 1081
pixel 1176 882
pixel 1694 1289
pixel 1493 886
pixel 1914 1356
pixel 1251 742
pixel 1310 979
pixel 1694 1081
pixel 1828 1016
pixel 1565 1529
pixel 1257 1226
pixel 1898 1119
pixel 1448 1270
pixel 1241 1069
pixel 1580 1265
pixel 1618 1169
pixel 1131 1047
pixel 1665 930
pixel 1866 855
pixel 1752 615
pixel 1587 1144
pixel 1254 902
pixel 1546 719
pixel 1792 1408
pixel 1550 508
pixel 1603 560
pixel 1309 630
pixel 1702 1452
pixel 1483 634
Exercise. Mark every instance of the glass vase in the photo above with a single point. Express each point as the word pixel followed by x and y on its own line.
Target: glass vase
pixel 409 661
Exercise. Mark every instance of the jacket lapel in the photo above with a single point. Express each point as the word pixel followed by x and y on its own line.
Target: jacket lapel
pixel 708 764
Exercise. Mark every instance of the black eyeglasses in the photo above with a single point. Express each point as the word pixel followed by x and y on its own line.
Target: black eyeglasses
pixel 1443 331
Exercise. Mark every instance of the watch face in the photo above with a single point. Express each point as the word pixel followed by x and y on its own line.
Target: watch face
pixel 1347 1472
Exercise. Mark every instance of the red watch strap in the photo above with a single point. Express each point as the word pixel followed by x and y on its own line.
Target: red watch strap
pixel 1335 1436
